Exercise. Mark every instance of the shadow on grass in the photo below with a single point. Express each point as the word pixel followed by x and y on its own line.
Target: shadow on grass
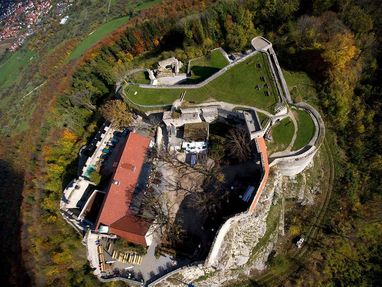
pixel 200 73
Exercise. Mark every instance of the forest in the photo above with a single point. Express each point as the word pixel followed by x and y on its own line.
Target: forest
pixel 336 42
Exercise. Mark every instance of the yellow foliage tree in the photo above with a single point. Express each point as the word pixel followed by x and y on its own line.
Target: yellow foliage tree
pixel 340 50
pixel 341 53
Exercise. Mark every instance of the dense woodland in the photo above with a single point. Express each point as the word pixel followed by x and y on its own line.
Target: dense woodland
pixel 338 43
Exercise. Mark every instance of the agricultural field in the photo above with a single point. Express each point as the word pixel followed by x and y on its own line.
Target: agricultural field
pixel 205 66
pixel 247 83
pixel 106 28
pixel 305 130
pixel 101 32
pixel 11 67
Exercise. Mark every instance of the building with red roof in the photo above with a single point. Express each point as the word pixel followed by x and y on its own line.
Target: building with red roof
pixel 115 216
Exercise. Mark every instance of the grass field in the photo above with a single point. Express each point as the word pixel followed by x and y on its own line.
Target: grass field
pixel 103 30
pixel 262 118
pixel 282 135
pixel 97 35
pixel 301 87
pixel 205 66
pixel 140 78
pixel 237 86
pixel 11 67
pixel 305 129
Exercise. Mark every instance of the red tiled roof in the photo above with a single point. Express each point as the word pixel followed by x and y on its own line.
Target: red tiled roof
pixel 131 228
pixel 115 209
pixel 264 156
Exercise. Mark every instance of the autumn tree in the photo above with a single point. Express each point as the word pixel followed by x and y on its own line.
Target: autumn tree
pixel 341 52
pixel 116 112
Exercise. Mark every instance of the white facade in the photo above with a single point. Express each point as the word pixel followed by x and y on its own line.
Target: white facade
pixel 194 147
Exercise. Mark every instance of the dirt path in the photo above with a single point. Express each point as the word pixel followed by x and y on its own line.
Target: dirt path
pixel 291 115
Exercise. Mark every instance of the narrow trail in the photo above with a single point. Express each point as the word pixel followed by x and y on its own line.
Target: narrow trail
pixel 292 117
pixel 34 89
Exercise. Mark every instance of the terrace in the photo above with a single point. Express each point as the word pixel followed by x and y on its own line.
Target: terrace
pixel 249 80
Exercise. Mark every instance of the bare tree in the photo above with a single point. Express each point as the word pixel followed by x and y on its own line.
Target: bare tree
pixel 205 196
pixel 239 144
pixel 211 171
pixel 158 209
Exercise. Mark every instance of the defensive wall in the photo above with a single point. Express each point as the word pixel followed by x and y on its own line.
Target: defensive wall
pixel 289 163
pixel 294 162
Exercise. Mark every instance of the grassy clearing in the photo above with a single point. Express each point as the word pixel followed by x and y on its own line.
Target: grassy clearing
pixel 140 78
pixel 301 87
pixel 237 86
pixel 282 135
pixel 305 129
pixel 101 32
pixel 11 67
pixel 206 66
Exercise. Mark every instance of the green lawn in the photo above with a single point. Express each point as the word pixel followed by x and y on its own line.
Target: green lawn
pixel 262 118
pixel 305 129
pixel 237 86
pixel 140 78
pixel 11 67
pixel 282 135
pixel 204 67
pixel 101 32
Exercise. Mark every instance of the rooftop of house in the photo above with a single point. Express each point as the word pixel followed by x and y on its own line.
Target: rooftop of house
pixel 115 210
